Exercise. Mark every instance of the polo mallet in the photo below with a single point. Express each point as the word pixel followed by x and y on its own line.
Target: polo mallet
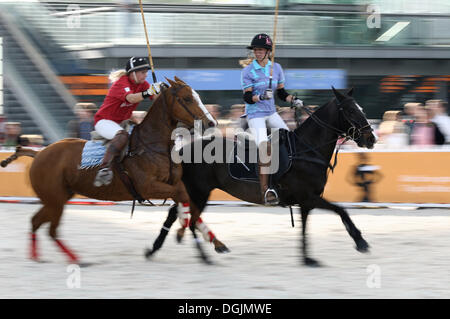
pixel 273 43
pixel 148 44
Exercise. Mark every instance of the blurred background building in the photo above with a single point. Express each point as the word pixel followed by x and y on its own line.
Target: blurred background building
pixel 55 54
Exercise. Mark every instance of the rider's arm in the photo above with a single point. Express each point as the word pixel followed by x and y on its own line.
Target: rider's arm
pixel 150 92
pixel 249 97
pixel 134 97
pixel 282 94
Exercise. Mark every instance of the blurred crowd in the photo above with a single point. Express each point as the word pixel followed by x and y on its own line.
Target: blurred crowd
pixel 11 135
pixel 417 125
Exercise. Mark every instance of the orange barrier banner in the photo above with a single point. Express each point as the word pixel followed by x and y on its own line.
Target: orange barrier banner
pixel 421 176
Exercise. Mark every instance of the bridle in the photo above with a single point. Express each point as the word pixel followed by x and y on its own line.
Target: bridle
pixel 174 94
pixel 169 108
pixel 353 131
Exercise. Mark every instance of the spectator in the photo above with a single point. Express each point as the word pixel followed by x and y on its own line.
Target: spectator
pixel 2 129
pixel 408 117
pixel 439 117
pixel 237 110
pixel 392 131
pixel 424 132
pixel 214 109
pixel 12 135
pixel 364 175
pixel 84 124
pixel 234 119
pixel 399 137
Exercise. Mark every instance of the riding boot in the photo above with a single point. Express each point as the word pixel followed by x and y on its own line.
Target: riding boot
pixel 269 195
pixel 117 144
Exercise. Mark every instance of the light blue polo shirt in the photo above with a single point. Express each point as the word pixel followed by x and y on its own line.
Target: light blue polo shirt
pixel 257 77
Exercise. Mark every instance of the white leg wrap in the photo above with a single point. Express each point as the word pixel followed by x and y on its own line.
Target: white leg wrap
pixel 184 214
pixel 206 232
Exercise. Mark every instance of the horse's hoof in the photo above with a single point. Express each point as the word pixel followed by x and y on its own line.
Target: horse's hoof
pixel 362 246
pixel 311 262
pixel 148 253
pixel 206 260
pixel 180 235
pixel 222 249
pixel 35 259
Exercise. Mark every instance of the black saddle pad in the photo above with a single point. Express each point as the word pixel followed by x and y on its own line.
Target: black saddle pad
pixel 244 163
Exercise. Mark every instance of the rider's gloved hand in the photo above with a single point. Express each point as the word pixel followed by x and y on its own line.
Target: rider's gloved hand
pixel 296 102
pixel 268 95
pixel 155 88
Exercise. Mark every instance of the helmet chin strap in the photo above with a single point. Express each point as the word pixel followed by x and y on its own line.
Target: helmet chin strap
pixel 135 78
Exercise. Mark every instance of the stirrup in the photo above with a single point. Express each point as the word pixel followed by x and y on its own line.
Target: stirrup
pixel 104 177
pixel 274 201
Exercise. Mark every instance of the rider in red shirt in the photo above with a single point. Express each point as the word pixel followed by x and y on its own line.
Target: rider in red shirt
pixel 128 89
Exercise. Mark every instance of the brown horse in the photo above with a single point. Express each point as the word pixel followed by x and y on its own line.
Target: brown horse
pixel 56 177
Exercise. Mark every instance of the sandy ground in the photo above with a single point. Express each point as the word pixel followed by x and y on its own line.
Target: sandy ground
pixel 409 258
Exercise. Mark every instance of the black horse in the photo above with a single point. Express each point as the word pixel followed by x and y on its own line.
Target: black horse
pixel 303 182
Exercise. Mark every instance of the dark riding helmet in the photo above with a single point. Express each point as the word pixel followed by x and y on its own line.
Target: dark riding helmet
pixel 135 64
pixel 261 40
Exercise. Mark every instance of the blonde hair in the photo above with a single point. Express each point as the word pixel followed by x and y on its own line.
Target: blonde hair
pixel 390 115
pixel 246 62
pixel 115 75
pixel 250 58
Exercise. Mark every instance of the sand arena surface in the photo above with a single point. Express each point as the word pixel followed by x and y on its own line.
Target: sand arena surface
pixel 409 258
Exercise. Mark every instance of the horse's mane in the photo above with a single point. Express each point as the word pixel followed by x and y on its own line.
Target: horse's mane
pixel 309 120
pixel 160 96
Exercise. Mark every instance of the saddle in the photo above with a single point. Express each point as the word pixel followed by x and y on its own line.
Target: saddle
pixel 243 166
pixel 127 125
pixel 94 150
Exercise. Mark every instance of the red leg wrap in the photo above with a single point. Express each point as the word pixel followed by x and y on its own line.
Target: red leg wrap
pixel 73 258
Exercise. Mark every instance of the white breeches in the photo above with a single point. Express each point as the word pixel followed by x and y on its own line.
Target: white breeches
pixel 107 128
pixel 258 126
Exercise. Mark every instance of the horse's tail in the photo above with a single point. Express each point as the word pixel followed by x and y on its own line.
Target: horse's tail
pixel 19 152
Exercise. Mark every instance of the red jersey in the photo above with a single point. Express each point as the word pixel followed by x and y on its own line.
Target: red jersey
pixel 115 107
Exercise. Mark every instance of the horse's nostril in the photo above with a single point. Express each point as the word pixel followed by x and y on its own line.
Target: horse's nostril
pixel 211 124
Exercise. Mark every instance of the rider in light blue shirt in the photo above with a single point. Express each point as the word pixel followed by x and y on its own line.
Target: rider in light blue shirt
pixel 260 104
pixel 257 77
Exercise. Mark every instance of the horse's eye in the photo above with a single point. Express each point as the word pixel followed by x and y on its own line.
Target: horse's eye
pixel 187 99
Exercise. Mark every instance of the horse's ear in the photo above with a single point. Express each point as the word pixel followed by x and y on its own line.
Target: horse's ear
pixel 339 96
pixel 179 80
pixel 350 92
pixel 172 83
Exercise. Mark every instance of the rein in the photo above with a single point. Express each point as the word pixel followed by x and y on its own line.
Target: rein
pixel 352 133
